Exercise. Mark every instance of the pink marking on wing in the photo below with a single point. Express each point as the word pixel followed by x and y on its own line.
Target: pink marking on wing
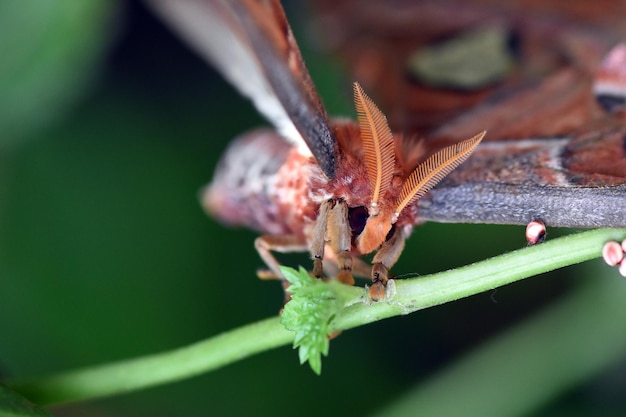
pixel 610 80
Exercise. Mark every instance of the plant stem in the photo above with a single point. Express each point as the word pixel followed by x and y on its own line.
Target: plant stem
pixel 147 371
pixel 412 295
pixel 419 293
pixel 530 364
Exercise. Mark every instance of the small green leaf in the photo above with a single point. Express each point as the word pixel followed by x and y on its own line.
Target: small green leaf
pixel 313 306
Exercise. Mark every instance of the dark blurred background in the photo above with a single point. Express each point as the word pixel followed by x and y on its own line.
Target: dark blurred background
pixel 110 127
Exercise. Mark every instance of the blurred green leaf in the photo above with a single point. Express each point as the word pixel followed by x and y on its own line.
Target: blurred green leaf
pixel 13 405
pixel 49 49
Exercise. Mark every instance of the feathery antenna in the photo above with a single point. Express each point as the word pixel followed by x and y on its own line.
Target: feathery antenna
pixel 434 169
pixel 378 148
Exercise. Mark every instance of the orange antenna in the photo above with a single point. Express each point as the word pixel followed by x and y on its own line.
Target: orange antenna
pixel 434 169
pixel 378 149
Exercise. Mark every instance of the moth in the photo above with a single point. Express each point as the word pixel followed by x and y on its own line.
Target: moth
pixel 340 189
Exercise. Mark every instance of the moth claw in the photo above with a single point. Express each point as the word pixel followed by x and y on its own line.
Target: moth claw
pixel 318 268
pixel 266 274
pixel 377 291
pixel 345 277
pixel 334 334
pixel 380 273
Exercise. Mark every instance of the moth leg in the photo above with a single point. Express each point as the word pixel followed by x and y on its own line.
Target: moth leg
pixel 332 226
pixel 340 239
pixel 267 244
pixel 318 239
pixel 360 268
pixel 384 259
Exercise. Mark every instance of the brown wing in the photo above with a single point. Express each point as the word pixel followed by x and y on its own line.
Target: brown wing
pixel 413 57
pixel 574 181
pixel 251 44
pixel 551 152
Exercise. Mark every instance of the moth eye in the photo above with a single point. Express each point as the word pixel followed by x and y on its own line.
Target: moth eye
pixel 391 232
pixel 357 216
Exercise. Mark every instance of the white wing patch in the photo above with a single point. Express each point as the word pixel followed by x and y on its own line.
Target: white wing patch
pixel 212 29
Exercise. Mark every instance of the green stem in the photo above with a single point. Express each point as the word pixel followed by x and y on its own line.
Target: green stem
pixel 147 371
pixel 419 293
pixel 532 363
pixel 412 295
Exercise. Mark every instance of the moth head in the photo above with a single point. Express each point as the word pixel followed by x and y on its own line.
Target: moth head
pixel 379 158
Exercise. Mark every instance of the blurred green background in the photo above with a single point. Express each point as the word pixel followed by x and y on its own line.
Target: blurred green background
pixel 109 126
